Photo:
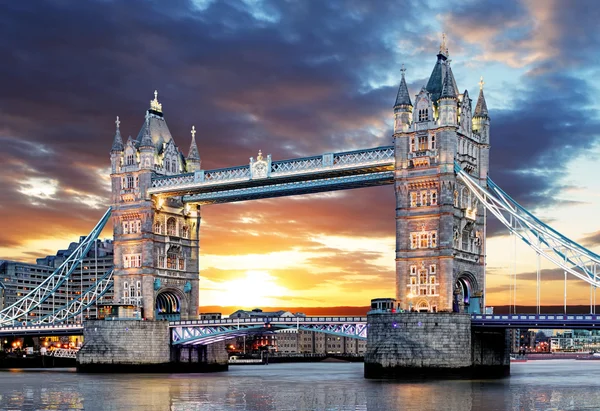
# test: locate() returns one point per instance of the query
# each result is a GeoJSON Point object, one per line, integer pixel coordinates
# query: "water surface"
{"type": "Point", "coordinates": [535, 385]}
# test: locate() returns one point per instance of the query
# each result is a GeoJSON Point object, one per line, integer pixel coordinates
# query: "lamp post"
{"type": "Point", "coordinates": [410, 296]}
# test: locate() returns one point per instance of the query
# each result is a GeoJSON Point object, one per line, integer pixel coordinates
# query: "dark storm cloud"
{"type": "Point", "coordinates": [286, 77]}
{"type": "Point", "coordinates": [550, 118]}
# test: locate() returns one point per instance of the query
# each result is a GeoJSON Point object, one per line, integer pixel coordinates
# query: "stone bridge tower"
{"type": "Point", "coordinates": [156, 239]}
{"type": "Point", "coordinates": [440, 226]}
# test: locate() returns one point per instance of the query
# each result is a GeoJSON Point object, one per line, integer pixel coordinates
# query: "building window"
{"type": "Point", "coordinates": [158, 228]}
{"type": "Point", "coordinates": [422, 277]}
{"type": "Point", "coordinates": [172, 261]}
{"type": "Point", "coordinates": [130, 160]}
{"type": "Point", "coordinates": [423, 143]}
{"type": "Point", "coordinates": [432, 269]}
{"type": "Point", "coordinates": [413, 270]}
{"type": "Point", "coordinates": [424, 240]}
{"type": "Point", "coordinates": [413, 241]}
{"type": "Point", "coordinates": [130, 182]}
{"type": "Point", "coordinates": [413, 199]}
{"type": "Point", "coordinates": [161, 261]}
{"type": "Point", "coordinates": [167, 165]}
{"type": "Point", "coordinates": [172, 226]}
{"type": "Point", "coordinates": [423, 198]}
{"type": "Point", "coordinates": [412, 144]}
{"type": "Point", "coordinates": [413, 280]}
{"type": "Point", "coordinates": [433, 142]}
{"type": "Point", "coordinates": [181, 264]}
{"type": "Point", "coordinates": [126, 289]}
{"type": "Point", "coordinates": [433, 195]}
{"type": "Point", "coordinates": [185, 230]}
{"type": "Point", "coordinates": [432, 279]}
{"type": "Point", "coordinates": [132, 260]}
{"type": "Point", "coordinates": [424, 114]}
{"type": "Point", "coordinates": [125, 227]}
{"type": "Point", "coordinates": [174, 166]}
{"type": "Point", "coordinates": [137, 181]}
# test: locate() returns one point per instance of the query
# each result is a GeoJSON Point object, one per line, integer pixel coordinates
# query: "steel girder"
{"type": "Point", "coordinates": [198, 333]}
{"type": "Point", "coordinates": [20, 309]}
{"type": "Point", "coordinates": [544, 240]}
{"type": "Point", "coordinates": [543, 321]}
{"type": "Point", "coordinates": [76, 306]}
{"type": "Point", "coordinates": [293, 188]}
{"type": "Point", "coordinates": [297, 169]}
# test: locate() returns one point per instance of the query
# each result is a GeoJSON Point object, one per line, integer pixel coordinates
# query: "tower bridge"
{"type": "Point", "coordinates": [439, 167]}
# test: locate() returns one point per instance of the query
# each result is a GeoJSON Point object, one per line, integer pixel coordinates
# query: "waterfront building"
{"type": "Point", "coordinates": [19, 278]}
{"type": "Point", "coordinates": [258, 313]}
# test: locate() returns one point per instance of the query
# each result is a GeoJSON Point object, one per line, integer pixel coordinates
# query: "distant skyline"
{"type": "Point", "coordinates": [292, 79]}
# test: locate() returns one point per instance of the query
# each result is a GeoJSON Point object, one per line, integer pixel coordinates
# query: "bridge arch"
{"type": "Point", "coordinates": [465, 287]}
{"type": "Point", "coordinates": [169, 304]}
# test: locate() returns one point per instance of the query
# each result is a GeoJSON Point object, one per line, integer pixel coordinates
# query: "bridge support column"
{"type": "Point", "coordinates": [143, 346]}
{"type": "Point", "coordinates": [433, 345]}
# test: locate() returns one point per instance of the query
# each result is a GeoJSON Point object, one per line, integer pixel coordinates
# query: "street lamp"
{"type": "Point", "coordinates": [410, 296]}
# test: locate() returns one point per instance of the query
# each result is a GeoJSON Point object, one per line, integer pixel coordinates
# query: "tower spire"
{"type": "Point", "coordinates": [193, 153]}
{"type": "Point", "coordinates": [403, 97]}
{"type": "Point", "coordinates": [448, 90]}
{"type": "Point", "coordinates": [154, 104]}
{"type": "Point", "coordinates": [193, 157]}
{"type": "Point", "coordinates": [147, 139]}
{"type": "Point", "coordinates": [443, 48]}
{"type": "Point", "coordinates": [118, 141]}
{"type": "Point", "coordinates": [481, 107]}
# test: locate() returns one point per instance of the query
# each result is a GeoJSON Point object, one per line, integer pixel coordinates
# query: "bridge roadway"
{"type": "Point", "coordinates": [208, 331]}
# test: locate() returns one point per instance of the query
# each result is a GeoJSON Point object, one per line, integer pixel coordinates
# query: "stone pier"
{"type": "Point", "coordinates": [143, 346]}
{"type": "Point", "coordinates": [433, 345]}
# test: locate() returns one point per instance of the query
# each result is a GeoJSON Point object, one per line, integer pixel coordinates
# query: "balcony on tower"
{"type": "Point", "coordinates": [422, 158]}
{"type": "Point", "coordinates": [467, 162]}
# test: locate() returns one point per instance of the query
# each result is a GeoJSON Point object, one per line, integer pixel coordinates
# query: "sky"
{"type": "Point", "coordinates": [295, 78]}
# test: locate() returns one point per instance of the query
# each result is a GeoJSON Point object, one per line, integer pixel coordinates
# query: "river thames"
{"type": "Point", "coordinates": [535, 385]}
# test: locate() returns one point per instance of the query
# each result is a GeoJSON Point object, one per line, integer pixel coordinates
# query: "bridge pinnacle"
{"type": "Point", "coordinates": [154, 104]}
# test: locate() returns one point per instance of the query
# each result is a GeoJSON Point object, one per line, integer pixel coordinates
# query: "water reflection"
{"type": "Point", "coordinates": [319, 386]}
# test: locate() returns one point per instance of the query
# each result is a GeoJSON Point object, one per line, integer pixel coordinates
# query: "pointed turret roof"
{"type": "Point", "coordinates": [156, 125]}
{"type": "Point", "coordinates": [403, 97]}
{"type": "Point", "coordinates": [193, 153]}
{"type": "Point", "coordinates": [481, 107]}
{"type": "Point", "coordinates": [438, 75]}
{"type": "Point", "coordinates": [448, 90]}
{"type": "Point", "coordinates": [146, 139]}
{"type": "Point", "coordinates": [118, 141]}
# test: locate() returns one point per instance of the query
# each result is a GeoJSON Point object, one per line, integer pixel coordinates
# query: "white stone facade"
{"type": "Point", "coordinates": [440, 226]}
{"type": "Point", "coordinates": [156, 239]}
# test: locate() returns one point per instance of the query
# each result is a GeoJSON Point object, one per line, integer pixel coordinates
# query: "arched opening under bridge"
{"type": "Point", "coordinates": [168, 306]}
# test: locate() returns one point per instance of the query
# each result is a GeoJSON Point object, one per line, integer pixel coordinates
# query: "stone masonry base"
{"type": "Point", "coordinates": [142, 346]}
{"type": "Point", "coordinates": [433, 345]}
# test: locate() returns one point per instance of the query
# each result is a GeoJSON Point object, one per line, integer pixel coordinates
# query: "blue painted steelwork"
{"type": "Point", "coordinates": [76, 306]}
{"type": "Point", "coordinates": [547, 242]}
{"type": "Point", "coordinates": [45, 329]}
{"type": "Point", "coordinates": [543, 321]}
{"type": "Point", "coordinates": [209, 331]}
{"type": "Point", "coordinates": [19, 311]}
{"type": "Point", "coordinates": [328, 165]}
{"type": "Point", "coordinates": [293, 188]}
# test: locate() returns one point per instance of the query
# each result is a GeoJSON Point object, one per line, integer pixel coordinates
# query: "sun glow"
{"type": "Point", "coordinates": [257, 289]}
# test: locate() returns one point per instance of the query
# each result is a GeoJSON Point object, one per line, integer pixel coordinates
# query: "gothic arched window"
{"type": "Point", "coordinates": [130, 160]}
{"type": "Point", "coordinates": [172, 227]}
{"type": "Point", "coordinates": [185, 231]}
{"type": "Point", "coordinates": [174, 166]}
